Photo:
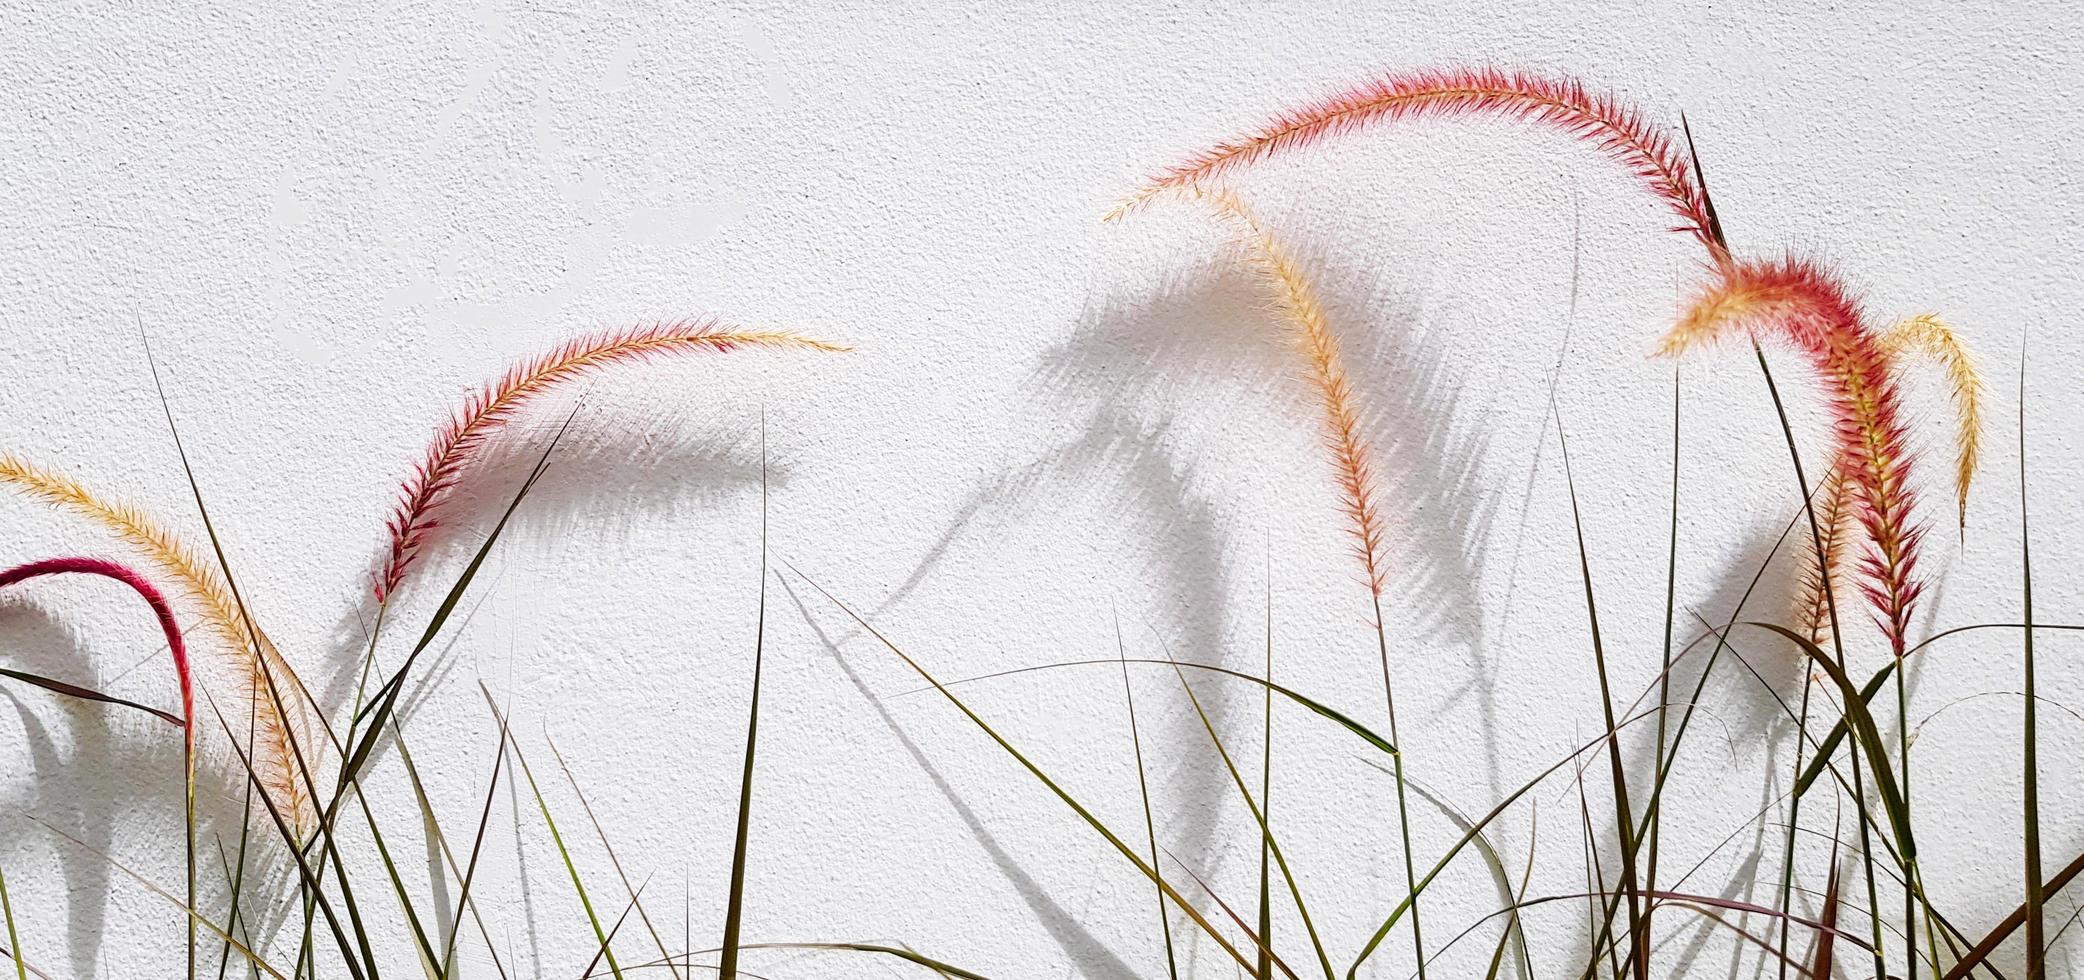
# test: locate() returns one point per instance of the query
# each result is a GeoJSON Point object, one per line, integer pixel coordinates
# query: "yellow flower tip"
{"type": "Point", "coordinates": [251, 651]}
{"type": "Point", "coordinates": [1144, 196]}
{"type": "Point", "coordinates": [1930, 337]}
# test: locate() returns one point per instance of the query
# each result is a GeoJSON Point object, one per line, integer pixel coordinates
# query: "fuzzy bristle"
{"type": "Point", "coordinates": [457, 442]}
{"type": "Point", "coordinates": [1929, 336]}
{"type": "Point", "coordinates": [1806, 305]}
{"type": "Point", "coordinates": [1822, 580]}
{"type": "Point", "coordinates": [274, 731]}
{"type": "Point", "coordinates": [1304, 314]}
{"type": "Point", "coordinates": [1600, 120]}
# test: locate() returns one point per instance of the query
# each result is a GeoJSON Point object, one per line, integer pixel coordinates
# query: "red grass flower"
{"type": "Point", "coordinates": [1805, 304]}
{"type": "Point", "coordinates": [493, 405]}
{"type": "Point", "coordinates": [1599, 119]}
{"type": "Point", "coordinates": [160, 609]}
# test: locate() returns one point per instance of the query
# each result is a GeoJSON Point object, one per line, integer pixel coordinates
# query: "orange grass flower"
{"type": "Point", "coordinates": [1299, 306]}
{"type": "Point", "coordinates": [277, 734]}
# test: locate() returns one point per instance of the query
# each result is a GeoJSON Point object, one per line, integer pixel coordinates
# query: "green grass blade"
{"type": "Point", "coordinates": [900, 952]}
{"type": "Point", "coordinates": [385, 702]}
{"type": "Point", "coordinates": [1498, 810]}
{"type": "Point", "coordinates": [1061, 794]}
{"type": "Point", "coordinates": [302, 768]}
{"type": "Point", "coordinates": [636, 902]}
{"type": "Point", "coordinates": [1829, 743]}
{"type": "Point", "coordinates": [613, 861]}
{"type": "Point", "coordinates": [1237, 920]}
{"type": "Point", "coordinates": [734, 911]}
{"type": "Point", "coordinates": [1868, 734]}
{"type": "Point", "coordinates": [1266, 787]}
{"type": "Point", "coordinates": [87, 694]}
{"type": "Point", "coordinates": [14, 938]}
{"type": "Point", "coordinates": [314, 890]}
{"type": "Point", "coordinates": [1150, 826]}
{"type": "Point", "coordinates": [1317, 707]}
{"type": "Point", "coordinates": [1787, 433]}
{"type": "Point", "coordinates": [1979, 955]}
{"type": "Point", "coordinates": [1514, 927]}
{"type": "Point", "coordinates": [470, 868]}
{"type": "Point", "coordinates": [1654, 818]}
{"type": "Point", "coordinates": [1624, 815]}
{"type": "Point", "coordinates": [2036, 920]}
{"type": "Point", "coordinates": [563, 853]}
{"type": "Point", "coordinates": [1389, 701]}
{"type": "Point", "coordinates": [1266, 834]}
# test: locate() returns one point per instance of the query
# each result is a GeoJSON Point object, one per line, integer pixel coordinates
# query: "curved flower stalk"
{"type": "Point", "coordinates": [177, 649]}
{"type": "Point", "coordinates": [1807, 306]}
{"type": "Point", "coordinates": [457, 443]}
{"type": "Point", "coordinates": [276, 733]}
{"type": "Point", "coordinates": [176, 646]}
{"type": "Point", "coordinates": [1299, 306]}
{"type": "Point", "coordinates": [1601, 120]}
{"type": "Point", "coordinates": [1311, 331]}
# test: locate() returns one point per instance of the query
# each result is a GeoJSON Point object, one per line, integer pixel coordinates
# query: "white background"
{"type": "Point", "coordinates": [332, 222]}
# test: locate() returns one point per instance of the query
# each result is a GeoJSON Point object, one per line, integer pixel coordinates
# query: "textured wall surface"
{"type": "Point", "coordinates": [331, 223]}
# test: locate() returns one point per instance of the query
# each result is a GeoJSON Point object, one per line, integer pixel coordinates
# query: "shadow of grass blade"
{"type": "Point", "coordinates": [563, 853]}
{"type": "Point", "coordinates": [1150, 826]}
{"type": "Point", "coordinates": [470, 868]}
{"type": "Point", "coordinates": [168, 896]}
{"type": "Point", "coordinates": [1266, 834]}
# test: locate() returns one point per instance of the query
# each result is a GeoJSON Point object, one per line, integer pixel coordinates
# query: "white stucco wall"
{"type": "Point", "coordinates": [332, 223]}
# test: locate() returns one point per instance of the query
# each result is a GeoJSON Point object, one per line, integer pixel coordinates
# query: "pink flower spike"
{"type": "Point", "coordinates": [160, 609]}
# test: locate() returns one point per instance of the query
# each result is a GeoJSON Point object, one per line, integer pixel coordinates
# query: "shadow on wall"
{"type": "Point", "coordinates": [604, 479]}
{"type": "Point", "coordinates": [1115, 371]}
{"type": "Point", "coordinates": [102, 769]}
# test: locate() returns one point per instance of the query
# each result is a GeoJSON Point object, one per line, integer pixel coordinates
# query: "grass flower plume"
{"type": "Point", "coordinates": [1821, 571]}
{"type": "Point", "coordinates": [251, 652]}
{"type": "Point", "coordinates": [1299, 307]}
{"type": "Point", "coordinates": [1929, 336]}
{"type": "Point", "coordinates": [1804, 304]}
{"type": "Point", "coordinates": [459, 439]}
{"type": "Point", "coordinates": [1598, 119]}
{"type": "Point", "coordinates": [1798, 299]}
